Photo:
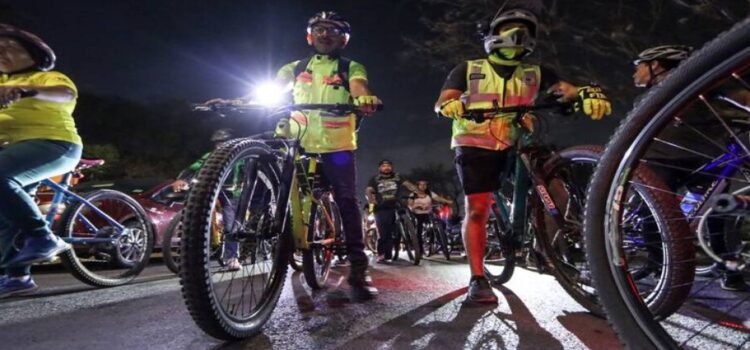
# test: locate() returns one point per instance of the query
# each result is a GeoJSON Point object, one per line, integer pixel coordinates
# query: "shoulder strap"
{"type": "Point", "coordinates": [301, 66]}
{"type": "Point", "coordinates": [343, 68]}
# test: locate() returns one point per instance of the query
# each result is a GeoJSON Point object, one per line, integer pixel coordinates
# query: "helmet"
{"type": "Point", "coordinates": [674, 53]}
{"type": "Point", "coordinates": [221, 135]}
{"type": "Point", "coordinates": [526, 40]}
{"type": "Point", "coordinates": [332, 18]}
{"type": "Point", "coordinates": [42, 54]}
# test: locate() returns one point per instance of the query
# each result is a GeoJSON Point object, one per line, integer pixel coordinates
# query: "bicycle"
{"type": "Point", "coordinates": [700, 99]}
{"type": "Point", "coordinates": [110, 232]}
{"type": "Point", "coordinates": [537, 213]}
{"type": "Point", "coordinates": [408, 240]}
{"type": "Point", "coordinates": [281, 204]}
{"type": "Point", "coordinates": [434, 238]}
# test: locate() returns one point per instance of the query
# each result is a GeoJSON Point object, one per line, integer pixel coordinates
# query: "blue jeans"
{"type": "Point", "coordinates": [22, 166]}
{"type": "Point", "coordinates": [340, 171]}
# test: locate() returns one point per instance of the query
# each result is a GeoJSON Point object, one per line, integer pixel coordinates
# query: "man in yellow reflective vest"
{"type": "Point", "coordinates": [502, 79]}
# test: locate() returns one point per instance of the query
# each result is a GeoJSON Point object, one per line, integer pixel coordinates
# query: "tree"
{"type": "Point", "coordinates": [581, 40]}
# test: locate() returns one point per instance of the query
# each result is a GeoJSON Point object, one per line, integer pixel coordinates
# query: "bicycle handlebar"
{"type": "Point", "coordinates": [337, 108]}
{"type": "Point", "coordinates": [480, 114]}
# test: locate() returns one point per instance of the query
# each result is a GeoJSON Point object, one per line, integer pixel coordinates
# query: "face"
{"type": "Point", "coordinates": [385, 168]}
{"type": "Point", "coordinates": [641, 76]}
{"type": "Point", "coordinates": [327, 38]}
{"type": "Point", "coordinates": [422, 185]}
{"type": "Point", "coordinates": [13, 57]}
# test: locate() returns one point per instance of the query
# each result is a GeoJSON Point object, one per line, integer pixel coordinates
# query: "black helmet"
{"type": "Point", "coordinates": [673, 53]}
{"type": "Point", "coordinates": [332, 18]}
{"type": "Point", "coordinates": [42, 54]}
{"type": "Point", "coordinates": [221, 135]}
{"type": "Point", "coordinates": [526, 40]}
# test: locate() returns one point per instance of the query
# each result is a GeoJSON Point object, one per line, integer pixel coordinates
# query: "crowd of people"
{"type": "Point", "coordinates": [37, 126]}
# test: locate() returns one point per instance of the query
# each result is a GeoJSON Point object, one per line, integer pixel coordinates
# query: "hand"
{"type": "Point", "coordinates": [9, 95]}
{"type": "Point", "coordinates": [452, 108]}
{"type": "Point", "coordinates": [595, 104]}
{"type": "Point", "coordinates": [367, 103]}
{"type": "Point", "coordinates": [180, 185]}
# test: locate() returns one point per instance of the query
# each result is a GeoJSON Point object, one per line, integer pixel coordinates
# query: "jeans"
{"type": "Point", "coordinates": [340, 171]}
{"type": "Point", "coordinates": [385, 219]}
{"type": "Point", "coordinates": [22, 166]}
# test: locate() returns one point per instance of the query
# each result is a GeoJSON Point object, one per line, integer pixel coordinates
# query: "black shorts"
{"type": "Point", "coordinates": [480, 169]}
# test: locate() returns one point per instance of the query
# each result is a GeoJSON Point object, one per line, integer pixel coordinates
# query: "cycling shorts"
{"type": "Point", "coordinates": [480, 170]}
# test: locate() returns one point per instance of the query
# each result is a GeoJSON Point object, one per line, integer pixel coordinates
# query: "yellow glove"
{"type": "Point", "coordinates": [595, 104]}
{"type": "Point", "coordinates": [367, 100]}
{"type": "Point", "coordinates": [452, 108]}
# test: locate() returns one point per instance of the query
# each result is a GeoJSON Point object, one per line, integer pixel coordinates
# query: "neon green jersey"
{"type": "Point", "coordinates": [322, 132]}
{"type": "Point", "coordinates": [31, 118]}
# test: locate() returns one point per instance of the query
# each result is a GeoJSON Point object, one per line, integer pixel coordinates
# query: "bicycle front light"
{"type": "Point", "coordinates": [269, 93]}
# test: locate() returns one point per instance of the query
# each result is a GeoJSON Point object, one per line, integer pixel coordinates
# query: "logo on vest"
{"type": "Point", "coordinates": [476, 76]}
{"type": "Point", "coordinates": [529, 78]}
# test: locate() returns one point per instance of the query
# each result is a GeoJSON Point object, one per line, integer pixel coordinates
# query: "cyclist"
{"type": "Point", "coordinates": [652, 66]}
{"type": "Point", "coordinates": [42, 141]}
{"type": "Point", "coordinates": [420, 203]}
{"type": "Point", "coordinates": [227, 200]}
{"type": "Point", "coordinates": [383, 192]}
{"type": "Point", "coordinates": [327, 77]}
{"type": "Point", "coordinates": [502, 79]}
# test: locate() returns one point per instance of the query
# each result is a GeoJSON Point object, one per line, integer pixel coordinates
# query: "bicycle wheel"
{"type": "Point", "coordinates": [697, 101]}
{"type": "Point", "coordinates": [441, 238]}
{"type": "Point", "coordinates": [325, 229]}
{"type": "Point", "coordinates": [567, 175]}
{"type": "Point", "coordinates": [409, 238]}
{"type": "Point", "coordinates": [241, 178]}
{"type": "Point", "coordinates": [170, 245]}
{"type": "Point", "coordinates": [428, 240]}
{"type": "Point", "coordinates": [109, 263]}
{"type": "Point", "coordinates": [295, 261]}
{"type": "Point", "coordinates": [500, 253]}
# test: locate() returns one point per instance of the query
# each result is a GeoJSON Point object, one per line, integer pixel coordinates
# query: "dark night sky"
{"type": "Point", "coordinates": [195, 50]}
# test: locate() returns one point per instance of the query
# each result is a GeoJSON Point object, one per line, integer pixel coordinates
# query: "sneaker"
{"type": "Point", "coordinates": [734, 284]}
{"type": "Point", "coordinates": [360, 281]}
{"type": "Point", "coordinates": [381, 259]}
{"type": "Point", "coordinates": [13, 286]}
{"type": "Point", "coordinates": [233, 264]}
{"type": "Point", "coordinates": [480, 292]}
{"type": "Point", "coordinates": [38, 249]}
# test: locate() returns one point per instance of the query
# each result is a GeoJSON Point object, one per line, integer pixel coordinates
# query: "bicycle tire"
{"type": "Point", "coordinates": [409, 238]}
{"type": "Point", "coordinates": [317, 261]}
{"type": "Point", "coordinates": [92, 272]}
{"type": "Point", "coordinates": [172, 258]}
{"type": "Point", "coordinates": [442, 237]}
{"type": "Point", "coordinates": [631, 320]}
{"type": "Point", "coordinates": [500, 240]}
{"type": "Point", "coordinates": [195, 272]}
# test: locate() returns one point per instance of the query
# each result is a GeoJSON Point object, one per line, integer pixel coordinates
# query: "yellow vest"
{"type": "Point", "coordinates": [486, 89]}
{"type": "Point", "coordinates": [320, 131]}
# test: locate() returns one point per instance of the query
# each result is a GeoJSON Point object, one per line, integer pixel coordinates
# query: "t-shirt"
{"type": "Point", "coordinates": [422, 204]}
{"type": "Point", "coordinates": [31, 118]}
{"type": "Point", "coordinates": [386, 190]}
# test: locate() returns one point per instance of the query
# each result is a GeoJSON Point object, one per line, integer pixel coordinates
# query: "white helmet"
{"type": "Point", "coordinates": [523, 38]}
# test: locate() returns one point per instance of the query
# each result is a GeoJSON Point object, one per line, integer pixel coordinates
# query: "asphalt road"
{"type": "Point", "coordinates": [419, 307]}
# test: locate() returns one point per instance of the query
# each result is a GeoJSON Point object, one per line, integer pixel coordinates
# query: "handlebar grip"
{"type": "Point", "coordinates": [29, 93]}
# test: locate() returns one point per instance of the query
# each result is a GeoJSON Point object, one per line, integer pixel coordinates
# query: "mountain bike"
{"type": "Point", "coordinates": [408, 240]}
{"type": "Point", "coordinates": [280, 203]}
{"type": "Point", "coordinates": [110, 232]}
{"type": "Point", "coordinates": [434, 237]}
{"type": "Point", "coordinates": [537, 213]}
{"type": "Point", "coordinates": [692, 126]}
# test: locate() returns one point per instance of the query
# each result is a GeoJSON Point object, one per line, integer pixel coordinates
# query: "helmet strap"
{"type": "Point", "coordinates": [498, 58]}
{"type": "Point", "coordinates": [653, 77]}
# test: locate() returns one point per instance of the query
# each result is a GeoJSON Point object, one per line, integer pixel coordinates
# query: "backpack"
{"type": "Point", "coordinates": [343, 69]}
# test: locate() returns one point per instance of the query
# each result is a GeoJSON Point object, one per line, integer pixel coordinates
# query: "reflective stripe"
{"type": "Point", "coordinates": [300, 118]}
{"type": "Point", "coordinates": [331, 124]}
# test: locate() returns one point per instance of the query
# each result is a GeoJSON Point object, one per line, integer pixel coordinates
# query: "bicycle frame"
{"type": "Point", "coordinates": [61, 194]}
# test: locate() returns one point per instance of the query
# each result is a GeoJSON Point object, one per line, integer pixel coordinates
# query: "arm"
{"type": "Point", "coordinates": [438, 198]}
{"type": "Point", "coordinates": [59, 94]}
{"type": "Point", "coordinates": [410, 186]}
{"type": "Point", "coordinates": [591, 99]}
{"type": "Point", "coordinates": [370, 194]}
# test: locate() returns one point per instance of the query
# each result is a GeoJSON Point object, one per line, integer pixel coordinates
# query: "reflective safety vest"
{"type": "Point", "coordinates": [487, 89]}
{"type": "Point", "coordinates": [320, 81]}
